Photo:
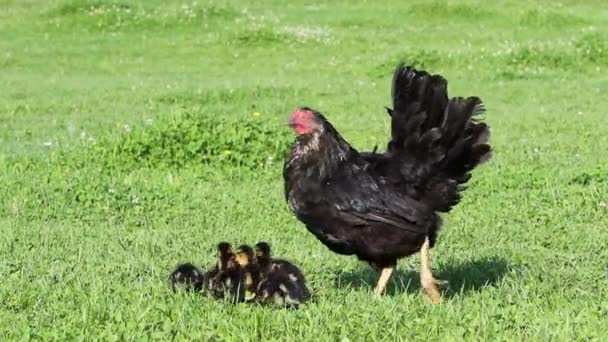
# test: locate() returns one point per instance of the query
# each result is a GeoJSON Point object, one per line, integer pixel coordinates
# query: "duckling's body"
{"type": "Point", "coordinates": [245, 259]}
{"type": "Point", "coordinates": [278, 288]}
{"type": "Point", "coordinates": [281, 282]}
{"type": "Point", "coordinates": [186, 276]}
{"type": "Point", "coordinates": [227, 278]}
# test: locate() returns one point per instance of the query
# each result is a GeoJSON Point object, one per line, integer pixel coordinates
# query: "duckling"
{"type": "Point", "coordinates": [266, 262]}
{"type": "Point", "coordinates": [186, 276]}
{"type": "Point", "coordinates": [227, 278]}
{"type": "Point", "coordinates": [245, 258]}
{"type": "Point", "coordinates": [281, 282]}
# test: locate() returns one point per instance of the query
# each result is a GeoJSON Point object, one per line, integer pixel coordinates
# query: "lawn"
{"type": "Point", "coordinates": [135, 135]}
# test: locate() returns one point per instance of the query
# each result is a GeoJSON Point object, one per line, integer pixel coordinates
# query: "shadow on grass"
{"type": "Point", "coordinates": [463, 278]}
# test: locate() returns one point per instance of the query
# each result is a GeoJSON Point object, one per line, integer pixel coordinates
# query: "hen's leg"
{"type": "Point", "coordinates": [430, 285]}
{"type": "Point", "coordinates": [385, 275]}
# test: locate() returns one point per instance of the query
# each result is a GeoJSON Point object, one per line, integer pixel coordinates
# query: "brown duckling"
{"type": "Point", "coordinates": [227, 278]}
{"type": "Point", "coordinates": [281, 282]}
{"type": "Point", "coordinates": [245, 258]}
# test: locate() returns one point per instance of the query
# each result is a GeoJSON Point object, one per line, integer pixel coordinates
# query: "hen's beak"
{"type": "Point", "coordinates": [291, 123]}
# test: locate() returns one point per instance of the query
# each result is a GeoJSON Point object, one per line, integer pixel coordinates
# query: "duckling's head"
{"type": "Point", "coordinates": [262, 250]}
{"type": "Point", "coordinates": [224, 248]}
{"type": "Point", "coordinates": [224, 255]}
{"type": "Point", "coordinates": [186, 276]}
{"type": "Point", "coordinates": [244, 255]}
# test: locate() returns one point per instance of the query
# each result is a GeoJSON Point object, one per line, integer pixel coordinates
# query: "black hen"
{"type": "Point", "coordinates": [383, 207]}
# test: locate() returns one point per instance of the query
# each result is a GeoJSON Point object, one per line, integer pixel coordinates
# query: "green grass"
{"type": "Point", "coordinates": [118, 160]}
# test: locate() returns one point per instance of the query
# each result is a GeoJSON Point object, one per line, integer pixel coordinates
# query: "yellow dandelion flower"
{"type": "Point", "coordinates": [227, 152]}
{"type": "Point", "coordinates": [256, 114]}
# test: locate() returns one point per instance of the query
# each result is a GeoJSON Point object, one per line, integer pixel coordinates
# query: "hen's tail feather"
{"type": "Point", "coordinates": [436, 141]}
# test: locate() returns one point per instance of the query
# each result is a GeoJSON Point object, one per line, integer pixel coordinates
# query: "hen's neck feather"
{"type": "Point", "coordinates": [321, 154]}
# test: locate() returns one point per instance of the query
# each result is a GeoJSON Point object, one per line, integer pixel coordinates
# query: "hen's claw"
{"type": "Point", "coordinates": [430, 290]}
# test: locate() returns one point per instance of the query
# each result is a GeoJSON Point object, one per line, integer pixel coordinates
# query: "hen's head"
{"type": "Point", "coordinates": [306, 121]}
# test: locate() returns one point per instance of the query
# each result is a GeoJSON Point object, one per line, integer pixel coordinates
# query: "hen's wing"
{"type": "Point", "coordinates": [361, 200]}
{"type": "Point", "coordinates": [356, 213]}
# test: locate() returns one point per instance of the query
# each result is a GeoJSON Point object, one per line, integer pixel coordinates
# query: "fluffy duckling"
{"type": "Point", "coordinates": [227, 278]}
{"type": "Point", "coordinates": [186, 276]}
{"type": "Point", "coordinates": [281, 282]}
{"type": "Point", "coordinates": [266, 262]}
{"type": "Point", "coordinates": [245, 258]}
